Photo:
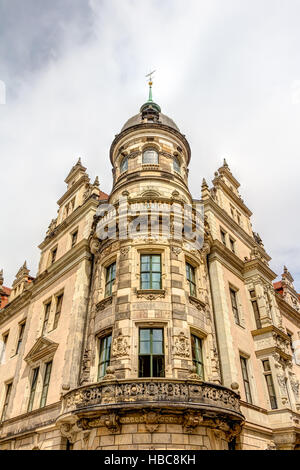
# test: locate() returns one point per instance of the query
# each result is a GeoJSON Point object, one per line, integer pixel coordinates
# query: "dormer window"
{"type": "Point", "coordinates": [150, 157]}
{"type": "Point", "coordinates": [124, 165]}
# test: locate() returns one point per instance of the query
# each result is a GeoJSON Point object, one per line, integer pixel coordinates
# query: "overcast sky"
{"type": "Point", "coordinates": [228, 73]}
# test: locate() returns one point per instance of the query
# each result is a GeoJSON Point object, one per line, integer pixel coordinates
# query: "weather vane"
{"type": "Point", "coordinates": [149, 75]}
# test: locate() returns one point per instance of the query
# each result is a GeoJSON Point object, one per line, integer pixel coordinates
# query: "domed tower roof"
{"type": "Point", "coordinates": [150, 112]}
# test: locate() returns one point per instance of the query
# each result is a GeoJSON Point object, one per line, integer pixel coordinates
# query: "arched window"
{"type": "Point", "coordinates": [176, 164]}
{"type": "Point", "coordinates": [124, 165]}
{"type": "Point", "coordinates": [150, 157]}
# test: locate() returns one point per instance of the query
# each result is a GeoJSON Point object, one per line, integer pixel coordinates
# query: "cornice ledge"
{"type": "Point", "coordinates": [68, 261]}
{"type": "Point", "coordinates": [155, 126]}
{"type": "Point", "coordinates": [287, 309]}
{"type": "Point", "coordinates": [258, 265]}
{"type": "Point", "coordinates": [249, 241]}
{"type": "Point", "coordinates": [225, 256]}
{"type": "Point", "coordinates": [236, 199]}
{"type": "Point", "coordinates": [16, 304]}
{"type": "Point", "coordinates": [69, 220]}
{"type": "Point", "coordinates": [268, 329]}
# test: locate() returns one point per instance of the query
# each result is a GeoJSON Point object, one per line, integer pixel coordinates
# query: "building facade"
{"type": "Point", "coordinates": [132, 336]}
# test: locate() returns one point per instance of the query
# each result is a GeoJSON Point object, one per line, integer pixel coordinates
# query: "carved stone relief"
{"type": "Point", "coordinates": [120, 346]}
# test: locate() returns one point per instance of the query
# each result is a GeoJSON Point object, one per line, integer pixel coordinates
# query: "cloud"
{"type": "Point", "coordinates": [227, 73]}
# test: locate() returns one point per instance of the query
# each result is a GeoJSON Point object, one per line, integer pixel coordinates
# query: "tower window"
{"type": "Point", "coordinates": [110, 279]}
{"type": "Point", "coordinates": [6, 402]}
{"type": "Point", "coordinates": [197, 355]}
{"type": "Point", "coordinates": [150, 157]}
{"type": "Point", "coordinates": [46, 382]}
{"type": "Point", "coordinates": [124, 165]}
{"type": "Point", "coordinates": [234, 306]}
{"type": "Point", "coordinates": [176, 165]}
{"type": "Point", "coordinates": [33, 388]}
{"type": "Point", "coordinates": [190, 275]}
{"type": "Point", "coordinates": [104, 355]}
{"type": "Point", "coordinates": [151, 353]}
{"type": "Point", "coordinates": [150, 272]}
{"type": "Point", "coordinates": [246, 381]}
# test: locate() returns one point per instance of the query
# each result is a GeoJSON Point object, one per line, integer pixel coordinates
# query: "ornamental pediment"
{"type": "Point", "coordinates": [43, 347]}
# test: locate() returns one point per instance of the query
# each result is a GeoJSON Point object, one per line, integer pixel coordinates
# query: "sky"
{"type": "Point", "coordinates": [73, 71]}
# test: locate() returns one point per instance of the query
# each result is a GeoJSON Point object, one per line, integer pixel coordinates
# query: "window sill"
{"type": "Point", "coordinates": [196, 302]}
{"type": "Point", "coordinates": [104, 303]}
{"type": "Point", "coordinates": [151, 294]}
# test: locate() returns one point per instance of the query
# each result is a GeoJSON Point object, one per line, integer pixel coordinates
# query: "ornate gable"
{"type": "Point", "coordinates": [42, 348]}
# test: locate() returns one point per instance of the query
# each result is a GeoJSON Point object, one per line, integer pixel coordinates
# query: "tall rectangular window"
{"type": "Point", "coordinates": [6, 402]}
{"type": "Point", "coordinates": [59, 301]}
{"type": "Point", "coordinates": [150, 272]}
{"type": "Point", "coordinates": [246, 381]}
{"type": "Point", "coordinates": [74, 238]}
{"type": "Point", "coordinates": [232, 245]}
{"type": "Point", "coordinates": [46, 318]}
{"type": "Point", "coordinates": [255, 309]}
{"type": "Point", "coordinates": [33, 388]}
{"type": "Point", "coordinates": [46, 382]}
{"type": "Point", "coordinates": [223, 237]}
{"type": "Point", "coordinates": [197, 355]}
{"type": "Point", "coordinates": [53, 255]}
{"type": "Point", "coordinates": [290, 335]}
{"type": "Point", "coordinates": [151, 353]}
{"type": "Point", "coordinates": [234, 306]}
{"type": "Point", "coordinates": [110, 279]}
{"type": "Point", "coordinates": [104, 355]}
{"type": "Point", "coordinates": [21, 334]}
{"type": "Point", "coordinates": [190, 275]}
{"type": "Point", "coordinates": [270, 384]}
{"type": "Point", "coordinates": [4, 344]}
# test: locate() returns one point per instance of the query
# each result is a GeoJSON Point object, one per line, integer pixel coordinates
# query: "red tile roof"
{"type": "Point", "coordinates": [4, 294]}
{"type": "Point", "coordinates": [103, 196]}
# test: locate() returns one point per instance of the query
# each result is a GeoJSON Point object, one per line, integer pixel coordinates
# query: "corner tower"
{"type": "Point", "coordinates": [150, 375]}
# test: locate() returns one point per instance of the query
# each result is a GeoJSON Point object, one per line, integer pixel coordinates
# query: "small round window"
{"type": "Point", "coordinates": [150, 157]}
{"type": "Point", "coordinates": [176, 164]}
{"type": "Point", "coordinates": [124, 165]}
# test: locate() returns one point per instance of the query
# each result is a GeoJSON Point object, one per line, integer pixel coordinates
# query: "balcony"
{"type": "Point", "coordinates": [272, 340]}
{"type": "Point", "coordinates": [112, 403]}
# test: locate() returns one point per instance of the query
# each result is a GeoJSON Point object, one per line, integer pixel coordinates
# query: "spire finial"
{"type": "Point", "coordinates": [96, 182]}
{"type": "Point", "coordinates": [150, 99]}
